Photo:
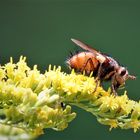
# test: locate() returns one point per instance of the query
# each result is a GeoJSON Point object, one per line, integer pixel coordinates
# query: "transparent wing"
{"type": "Point", "coordinates": [99, 56]}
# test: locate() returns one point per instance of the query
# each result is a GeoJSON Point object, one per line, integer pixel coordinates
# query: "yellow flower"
{"type": "Point", "coordinates": [113, 123]}
{"type": "Point", "coordinates": [32, 101]}
{"type": "Point", "coordinates": [135, 124]}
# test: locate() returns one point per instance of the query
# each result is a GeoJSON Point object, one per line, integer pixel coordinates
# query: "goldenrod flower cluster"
{"type": "Point", "coordinates": [28, 104]}
{"type": "Point", "coordinates": [31, 101]}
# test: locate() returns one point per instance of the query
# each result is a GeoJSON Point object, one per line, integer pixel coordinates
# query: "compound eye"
{"type": "Point", "coordinates": [123, 72]}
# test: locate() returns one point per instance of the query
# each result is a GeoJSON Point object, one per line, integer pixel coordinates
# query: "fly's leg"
{"type": "Point", "coordinates": [99, 72]}
{"type": "Point", "coordinates": [88, 61]}
{"type": "Point", "coordinates": [97, 83]}
{"type": "Point", "coordinates": [113, 87]}
{"type": "Point", "coordinates": [109, 75]}
{"type": "Point", "coordinates": [97, 80]}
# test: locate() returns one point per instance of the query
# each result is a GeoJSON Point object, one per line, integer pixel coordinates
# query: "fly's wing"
{"type": "Point", "coordinates": [101, 58]}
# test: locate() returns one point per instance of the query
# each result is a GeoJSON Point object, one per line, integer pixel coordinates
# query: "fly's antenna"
{"type": "Point", "coordinates": [131, 77]}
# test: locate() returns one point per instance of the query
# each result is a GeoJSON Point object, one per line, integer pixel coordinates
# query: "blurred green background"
{"type": "Point", "coordinates": [41, 30]}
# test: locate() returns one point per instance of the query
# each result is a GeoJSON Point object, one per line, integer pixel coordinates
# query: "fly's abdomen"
{"type": "Point", "coordinates": [83, 61]}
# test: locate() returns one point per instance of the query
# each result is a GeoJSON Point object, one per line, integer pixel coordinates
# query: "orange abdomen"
{"type": "Point", "coordinates": [84, 61]}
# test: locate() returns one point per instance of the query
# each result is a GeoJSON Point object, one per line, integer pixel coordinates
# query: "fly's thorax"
{"type": "Point", "coordinates": [108, 68]}
{"type": "Point", "coordinates": [113, 62]}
